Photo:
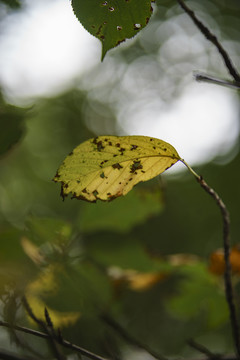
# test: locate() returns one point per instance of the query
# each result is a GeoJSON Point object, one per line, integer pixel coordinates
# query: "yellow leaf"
{"type": "Point", "coordinates": [134, 280]}
{"type": "Point", "coordinates": [59, 318]}
{"type": "Point", "coordinates": [145, 281]}
{"type": "Point", "coordinates": [109, 166]}
{"type": "Point", "coordinates": [45, 285]}
{"type": "Point", "coordinates": [32, 251]}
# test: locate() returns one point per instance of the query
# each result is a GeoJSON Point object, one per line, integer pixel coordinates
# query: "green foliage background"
{"type": "Point", "coordinates": [83, 245]}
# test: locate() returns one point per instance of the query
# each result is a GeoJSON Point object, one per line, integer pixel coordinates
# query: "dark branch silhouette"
{"type": "Point", "coordinates": [227, 273]}
{"type": "Point", "coordinates": [203, 350]}
{"type": "Point", "coordinates": [129, 338]}
{"type": "Point", "coordinates": [213, 39]}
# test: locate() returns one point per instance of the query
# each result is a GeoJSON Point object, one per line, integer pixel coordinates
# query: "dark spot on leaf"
{"type": "Point", "coordinates": [95, 140]}
{"type": "Point", "coordinates": [95, 193]}
{"type": "Point", "coordinates": [114, 155]}
{"type": "Point", "coordinates": [99, 30]}
{"type": "Point", "coordinates": [102, 175]}
{"type": "Point", "coordinates": [57, 176]}
{"type": "Point", "coordinates": [134, 147]}
{"type": "Point", "coordinates": [143, 171]}
{"type": "Point", "coordinates": [164, 149]}
{"type": "Point", "coordinates": [99, 145]}
{"type": "Point", "coordinates": [102, 37]}
{"type": "Point", "coordinates": [81, 197]}
{"type": "Point", "coordinates": [147, 20]}
{"type": "Point", "coordinates": [154, 147]}
{"type": "Point", "coordinates": [117, 166]}
{"type": "Point", "coordinates": [117, 145]}
{"type": "Point", "coordinates": [119, 28]}
{"type": "Point", "coordinates": [136, 165]}
{"type": "Point", "coordinates": [110, 143]}
{"type": "Point", "coordinates": [121, 151]}
{"type": "Point", "coordinates": [62, 192]}
{"type": "Point", "coordinates": [93, 26]}
{"type": "Point", "coordinates": [84, 191]}
{"type": "Point", "coordinates": [151, 139]}
{"type": "Point", "coordinates": [119, 42]}
{"type": "Point", "coordinates": [130, 179]}
{"type": "Point", "coordinates": [78, 181]}
{"type": "Point", "coordinates": [120, 183]}
{"type": "Point", "coordinates": [103, 162]}
{"type": "Point", "coordinates": [70, 154]}
{"type": "Point", "coordinates": [109, 194]}
{"type": "Point", "coordinates": [112, 197]}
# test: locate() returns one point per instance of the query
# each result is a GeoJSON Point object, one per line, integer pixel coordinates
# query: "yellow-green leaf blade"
{"type": "Point", "coordinates": [109, 166]}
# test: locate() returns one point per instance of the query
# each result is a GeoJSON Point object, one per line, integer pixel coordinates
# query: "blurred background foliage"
{"type": "Point", "coordinates": [142, 260]}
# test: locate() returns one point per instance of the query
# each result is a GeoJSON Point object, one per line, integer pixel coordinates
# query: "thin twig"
{"type": "Point", "coordinates": [129, 338]}
{"type": "Point", "coordinates": [47, 327]}
{"type": "Point", "coordinates": [227, 273]}
{"type": "Point", "coordinates": [213, 80]}
{"type": "Point", "coordinates": [61, 341]}
{"type": "Point", "coordinates": [213, 39]}
{"type": "Point", "coordinates": [202, 349]}
{"type": "Point", "coordinates": [226, 246]}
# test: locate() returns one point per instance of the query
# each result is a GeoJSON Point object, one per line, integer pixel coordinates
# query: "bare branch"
{"type": "Point", "coordinates": [227, 273]}
{"type": "Point", "coordinates": [213, 39]}
{"type": "Point", "coordinates": [129, 338]}
{"type": "Point", "coordinates": [202, 349]}
{"type": "Point", "coordinates": [47, 327]}
{"type": "Point", "coordinates": [60, 340]}
{"type": "Point", "coordinates": [213, 80]}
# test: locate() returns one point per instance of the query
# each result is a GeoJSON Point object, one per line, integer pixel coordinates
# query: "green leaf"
{"type": "Point", "coordinates": [109, 166]}
{"type": "Point", "coordinates": [124, 214]}
{"type": "Point", "coordinates": [12, 125]}
{"type": "Point", "coordinates": [111, 21]}
{"type": "Point", "coordinates": [14, 4]}
{"type": "Point", "coordinates": [199, 293]}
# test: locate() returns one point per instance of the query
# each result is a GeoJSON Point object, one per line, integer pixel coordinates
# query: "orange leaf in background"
{"type": "Point", "coordinates": [145, 281]}
{"type": "Point", "coordinates": [134, 280]}
{"type": "Point", "coordinates": [217, 262]}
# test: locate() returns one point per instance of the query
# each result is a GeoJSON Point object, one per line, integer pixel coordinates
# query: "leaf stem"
{"type": "Point", "coordinates": [226, 245]}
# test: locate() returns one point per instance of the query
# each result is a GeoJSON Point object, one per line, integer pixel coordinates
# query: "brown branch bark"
{"type": "Point", "coordinates": [227, 273]}
{"type": "Point", "coordinates": [213, 39]}
{"type": "Point", "coordinates": [59, 339]}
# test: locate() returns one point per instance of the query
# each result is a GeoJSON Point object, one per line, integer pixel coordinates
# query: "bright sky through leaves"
{"type": "Point", "coordinates": [33, 42]}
